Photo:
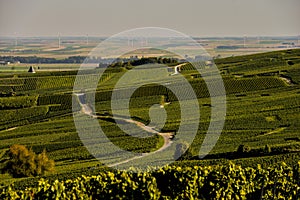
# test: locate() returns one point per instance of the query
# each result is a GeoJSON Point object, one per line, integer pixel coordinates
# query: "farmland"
{"type": "Point", "coordinates": [263, 112]}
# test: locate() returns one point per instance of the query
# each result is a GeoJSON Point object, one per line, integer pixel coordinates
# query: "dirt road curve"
{"type": "Point", "coordinates": [166, 136]}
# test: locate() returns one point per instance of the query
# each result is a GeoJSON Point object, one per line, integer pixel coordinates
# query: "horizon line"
{"type": "Point", "coordinates": [95, 36]}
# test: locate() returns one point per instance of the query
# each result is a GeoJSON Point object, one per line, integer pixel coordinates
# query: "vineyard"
{"type": "Point", "coordinates": [263, 112]}
{"type": "Point", "coordinates": [211, 182]}
{"type": "Point", "coordinates": [18, 102]}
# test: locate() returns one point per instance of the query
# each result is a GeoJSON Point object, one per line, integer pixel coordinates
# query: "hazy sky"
{"type": "Point", "coordinates": [106, 17]}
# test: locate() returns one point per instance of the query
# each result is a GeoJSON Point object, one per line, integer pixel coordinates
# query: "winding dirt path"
{"type": "Point", "coordinates": [166, 136]}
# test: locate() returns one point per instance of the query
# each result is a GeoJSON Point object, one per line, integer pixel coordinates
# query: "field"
{"type": "Point", "coordinates": [75, 46]}
{"type": "Point", "coordinates": [263, 112]}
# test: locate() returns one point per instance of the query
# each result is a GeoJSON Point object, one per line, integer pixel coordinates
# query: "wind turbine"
{"type": "Point", "coordinates": [16, 39]}
{"type": "Point", "coordinates": [59, 40]}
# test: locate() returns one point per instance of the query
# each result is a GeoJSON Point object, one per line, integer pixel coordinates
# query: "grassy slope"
{"type": "Point", "coordinates": [262, 110]}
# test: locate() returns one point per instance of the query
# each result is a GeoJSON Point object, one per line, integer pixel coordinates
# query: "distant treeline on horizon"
{"type": "Point", "coordinates": [42, 60]}
{"type": "Point", "coordinates": [133, 60]}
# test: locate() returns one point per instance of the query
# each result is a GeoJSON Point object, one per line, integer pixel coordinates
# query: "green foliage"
{"type": "Point", "coordinates": [64, 100]}
{"type": "Point", "coordinates": [23, 162]}
{"type": "Point", "coordinates": [228, 181]}
{"type": "Point", "coordinates": [13, 117]}
{"type": "Point", "coordinates": [35, 59]}
{"type": "Point", "coordinates": [128, 143]}
{"type": "Point", "coordinates": [252, 84]}
{"type": "Point", "coordinates": [294, 75]}
{"type": "Point", "coordinates": [267, 149]}
{"type": "Point", "coordinates": [243, 149]}
{"type": "Point", "coordinates": [18, 102]}
{"type": "Point", "coordinates": [258, 103]}
{"type": "Point", "coordinates": [107, 185]}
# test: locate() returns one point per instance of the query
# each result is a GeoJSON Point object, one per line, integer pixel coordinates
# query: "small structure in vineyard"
{"type": "Point", "coordinates": [31, 69]}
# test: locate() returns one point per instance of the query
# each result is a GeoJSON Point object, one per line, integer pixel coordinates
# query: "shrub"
{"type": "Point", "coordinates": [267, 149]}
{"type": "Point", "coordinates": [243, 149]}
{"type": "Point", "coordinates": [23, 162]}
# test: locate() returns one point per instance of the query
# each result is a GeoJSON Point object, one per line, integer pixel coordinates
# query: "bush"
{"type": "Point", "coordinates": [23, 162]}
{"type": "Point", "coordinates": [267, 149]}
{"type": "Point", "coordinates": [243, 149]}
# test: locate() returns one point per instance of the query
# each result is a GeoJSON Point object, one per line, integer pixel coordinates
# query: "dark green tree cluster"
{"type": "Point", "coordinates": [152, 60]}
{"type": "Point", "coordinates": [35, 59]}
{"type": "Point", "coordinates": [129, 62]}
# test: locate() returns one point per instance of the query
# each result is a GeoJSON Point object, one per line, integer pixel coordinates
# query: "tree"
{"type": "Point", "coordinates": [243, 149]}
{"type": "Point", "coordinates": [267, 149]}
{"type": "Point", "coordinates": [24, 163]}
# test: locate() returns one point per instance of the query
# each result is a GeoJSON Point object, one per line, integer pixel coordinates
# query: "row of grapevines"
{"type": "Point", "coordinates": [199, 87]}
{"type": "Point", "coordinates": [63, 99]}
{"type": "Point", "coordinates": [107, 185]}
{"type": "Point", "coordinates": [294, 75]}
{"type": "Point", "coordinates": [11, 81]}
{"type": "Point", "coordinates": [6, 88]}
{"type": "Point", "coordinates": [258, 64]}
{"type": "Point", "coordinates": [29, 84]}
{"type": "Point", "coordinates": [252, 84]}
{"type": "Point", "coordinates": [19, 117]}
{"type": "Point", "coordinates": [209, 182]}
{"type": "Point", "coordinates": [55, 82]}
{"type": "Point", "coordinates": [45, 81]}
{"type": "Point", "coordinates": [13, 115]}
{"type": "Point", "coordinates": [18, 102]}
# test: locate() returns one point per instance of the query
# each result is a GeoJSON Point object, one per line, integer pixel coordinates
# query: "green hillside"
{"type": "Point", "coordinates": [263, 112]}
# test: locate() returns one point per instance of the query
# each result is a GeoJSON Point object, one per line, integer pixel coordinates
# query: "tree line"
{"type": "Point", "coordinates": [40, 60]}
{"type": "Point", "coordinates": [133, 61]}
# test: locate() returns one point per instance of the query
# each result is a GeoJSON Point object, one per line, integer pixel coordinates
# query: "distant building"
{"type": "Point", "coordinates": [31, 69]}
